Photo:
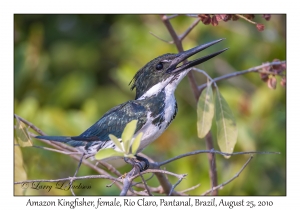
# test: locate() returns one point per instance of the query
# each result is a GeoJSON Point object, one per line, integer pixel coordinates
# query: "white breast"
{"type": "Point", "coordinates": [151, 131]}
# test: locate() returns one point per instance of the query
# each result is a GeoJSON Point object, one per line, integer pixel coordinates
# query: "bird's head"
{"type": "Point", "coordinates": [166, 70]}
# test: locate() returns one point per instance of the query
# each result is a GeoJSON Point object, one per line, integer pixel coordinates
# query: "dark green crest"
{"type": "Point", "coordinates": [152, 73]}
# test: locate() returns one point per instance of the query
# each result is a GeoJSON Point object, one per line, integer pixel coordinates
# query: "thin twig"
{"type": "Point", "coordinates": [181, 37]}
{"type": "Point", "coordinates": [235, 176]}
{"type": "Point", "coordinates": [71, 188]}
{"type": "Point", "coordinates": [212, 151]}
{"type": "Point", "coordinates": [77, 169]}
{"type": "Point", "coordinates": [169, 42]}
{"type": "Point", "coordinates": [243, 17]}
{"type": "Point", "coordinates": [97, 169]}
{"type": "Point", "coordinates": [57, 145]}
{"type": "Point", "coordinates": [159, 171]}
{"type": "Point", "coordinates": [137, 183]}
{"type": "Point", "coordinates": [146, 186]}
{"type": "Point", "coordinates": [110, 168]}
{"type": "Point", "coordinates": [30, 125]}
{"type": "Point", "coordinates": [212, 163]}
{"type": "Point", "coordinates": [54, 150]}
{"type": "Point", "coordinates": [171, 16]}
{"type": "Point", "coordinates": [79, 164]}
{"type": "Point", "coordinates": [165, 183]}
{"type": "Point", "coordinates": [175, 185]}
{"type": "Point", "coordinates": [143, 193]}
{"type": "Point", "coordinates": [189, 189]}
{"type": "Point", "coordinates": [172, 33]}
{"type": "Point", "coordinates": [192, 15]}
{"type": "Point", "coordinates": [237, 73]}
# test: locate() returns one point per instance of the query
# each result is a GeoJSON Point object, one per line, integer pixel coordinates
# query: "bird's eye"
{"type": "Point", "coordinates": [159, 66]}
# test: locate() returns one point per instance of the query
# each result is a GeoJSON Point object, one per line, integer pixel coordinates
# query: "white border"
{"type": "Point", "coordinates": [8, 8]}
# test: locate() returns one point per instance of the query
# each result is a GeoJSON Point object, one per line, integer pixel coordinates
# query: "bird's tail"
{"type": "Point", "coordinates": [64, 139]}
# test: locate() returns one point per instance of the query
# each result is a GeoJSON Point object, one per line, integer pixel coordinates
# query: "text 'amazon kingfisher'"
{"type": "Point", "coordinates": [154, 106]}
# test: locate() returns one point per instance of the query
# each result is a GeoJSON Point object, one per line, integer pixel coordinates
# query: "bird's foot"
{"type": "Point", "coordinates": [141, 160]}
{"type": "Point", "coordinates": [142, 163]}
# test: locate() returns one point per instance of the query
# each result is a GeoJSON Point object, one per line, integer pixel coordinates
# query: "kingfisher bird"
{"type": "Point", "coordinates": [154, 105]}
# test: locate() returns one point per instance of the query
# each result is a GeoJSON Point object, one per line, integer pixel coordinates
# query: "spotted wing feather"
{"type": "Point", "coordinates": [114, 122]}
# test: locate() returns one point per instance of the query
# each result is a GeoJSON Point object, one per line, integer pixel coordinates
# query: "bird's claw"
{"type": "Point", "coordinates": [141, 159]}
{"type": "Point", "coordinates": [139, 163]}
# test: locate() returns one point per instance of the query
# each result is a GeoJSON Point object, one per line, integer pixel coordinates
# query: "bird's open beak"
{"type": "Point", "coordinates": [186, 54]}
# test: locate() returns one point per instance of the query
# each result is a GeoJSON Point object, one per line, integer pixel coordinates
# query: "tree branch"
{"type": "Point", "coordinates": [110, 168]}
{"type": "Point", "coordinates": [189, 189]}
{"type": "Point", "coordinates": [169, 42]}
{"type": "Point", "coordinates": [175, 185]}
{"type": "Point", "coordinates": [39, 131]}
{"type": "Point", "coordinates": [238, 73]}
{"type": "Point", "coordinates": [56, 145]}
{"type": "Point", "coordinates": [235, 176]}
{"type": "Point", "coordinates": [146, 186]}
{"type": "Point", "coordinates": [212, 163]}
{"type": "Point", "coordinates": [127, 180]}
{"type": "Point", "coordinates": [172, 33]}
{"type": "Point", "coordinates": [194, 24]}
{"type": "Point", "coordinates": [54, 150]}
{"type": "Point", "coordinates": [212, 151]}
{"type": "Point", "coordinates": [171, 16]}
{"type": "Point", "coordinates": [243, 17]}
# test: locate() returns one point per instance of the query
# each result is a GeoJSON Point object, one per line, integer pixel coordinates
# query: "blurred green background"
{"type": "Point", "coordinates": [70, 69]}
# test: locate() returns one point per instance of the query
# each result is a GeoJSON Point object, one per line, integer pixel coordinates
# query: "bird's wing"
{"type": "Point", "coordinates": [114, 122]}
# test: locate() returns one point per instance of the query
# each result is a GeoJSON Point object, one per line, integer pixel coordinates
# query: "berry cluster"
{"type": "Point", "coordinates": [269, 72]}
{"type": "Point", "coordinates": [215, 19]}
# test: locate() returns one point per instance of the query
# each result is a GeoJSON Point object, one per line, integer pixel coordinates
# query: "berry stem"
{"type": "Point", "coordinates": [243, 17]}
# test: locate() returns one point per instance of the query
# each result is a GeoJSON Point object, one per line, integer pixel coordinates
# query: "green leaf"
{"type": "Point", "coordinates": [129, 156]}
{"type": "Point", "coordinates": [128, 134]}
{"type": "Point", "coordinates": [22, 135]}
{"type": "Point", "coordinates": [116, 142]}
{"type": "Point", "coordinates": [226, 125]}
{"type": "Point", "coordinates": [136, 143]}
{"type": "Point", "coordinates": [108, 152]}
{"type": "Point", "coordinates": [205, 111]}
